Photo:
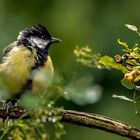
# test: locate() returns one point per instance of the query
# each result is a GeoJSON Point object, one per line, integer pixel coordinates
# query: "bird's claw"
{"type": "Point", "coordinates": [7, 105]}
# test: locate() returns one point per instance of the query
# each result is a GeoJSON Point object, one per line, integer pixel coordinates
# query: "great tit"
{"type": "Point", "coordinates": [26, 64]}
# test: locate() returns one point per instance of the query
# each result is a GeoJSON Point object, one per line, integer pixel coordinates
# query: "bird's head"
{"type": "Point", "coordinates": [36, 36]}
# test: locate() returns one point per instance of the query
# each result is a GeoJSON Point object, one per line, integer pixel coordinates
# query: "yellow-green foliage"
{"type": "Point", "coordinates": [110, 63]}
{"type": "Point", "coordinates": [128, 63]}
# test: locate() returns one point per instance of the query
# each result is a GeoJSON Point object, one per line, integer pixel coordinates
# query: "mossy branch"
{"type": "Point", "coordinates": [83, 119]}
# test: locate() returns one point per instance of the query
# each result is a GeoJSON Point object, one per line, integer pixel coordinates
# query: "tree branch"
{"type": "Point", "coordinates": [15, 113]}
{"type": "Point", "coordinates": [83, 119]}
{"type": "Point", "coordinates": [100, 122]}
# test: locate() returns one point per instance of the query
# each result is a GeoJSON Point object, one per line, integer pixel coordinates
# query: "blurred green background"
{"type": "Point", "coordinates": [97, 23]}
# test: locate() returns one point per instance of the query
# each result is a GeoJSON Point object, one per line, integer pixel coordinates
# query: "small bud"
{"type": "Point", "coordinates": [118, 58]}
{"type": "Point", "coordinates": [131, 27]}
{"type": "Point", "coordinates": [43, 119]}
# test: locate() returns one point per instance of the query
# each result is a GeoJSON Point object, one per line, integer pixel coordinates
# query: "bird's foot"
{"type": "Point", "coordinates": [8, 105]}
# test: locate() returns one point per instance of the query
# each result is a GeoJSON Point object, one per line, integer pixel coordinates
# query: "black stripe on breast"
{"type": "Point", "coordinates": [41, 57]}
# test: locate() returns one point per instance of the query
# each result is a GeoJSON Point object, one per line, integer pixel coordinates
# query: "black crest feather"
{"type": "Point", "coordinates": [37, 30]}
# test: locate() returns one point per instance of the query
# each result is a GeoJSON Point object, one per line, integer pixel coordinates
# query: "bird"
{"type": "Point", "coordinates": [26, 64]}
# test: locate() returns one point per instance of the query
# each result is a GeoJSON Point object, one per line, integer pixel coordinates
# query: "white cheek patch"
{"type": "Point", "coordinates": [39, 42]}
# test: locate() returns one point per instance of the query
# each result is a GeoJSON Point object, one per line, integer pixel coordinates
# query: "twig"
{"type": "Point", "coordinates": [84, 119]}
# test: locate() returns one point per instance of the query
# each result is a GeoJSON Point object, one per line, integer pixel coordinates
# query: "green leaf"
{"type": "Point", "coordinates": [127, 84]}
{"type": "Point", "coordinates": [29, 101]}
{"type": "Point", "coordinates": [110, 62]}
{"type": "Point", "coordinates": [131, 27]}
{"type": "Point", "coordinates": [122, 98]}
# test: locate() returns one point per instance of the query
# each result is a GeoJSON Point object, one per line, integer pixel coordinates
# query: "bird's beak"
{"type": "Point", "coordinates": [55, 40]}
